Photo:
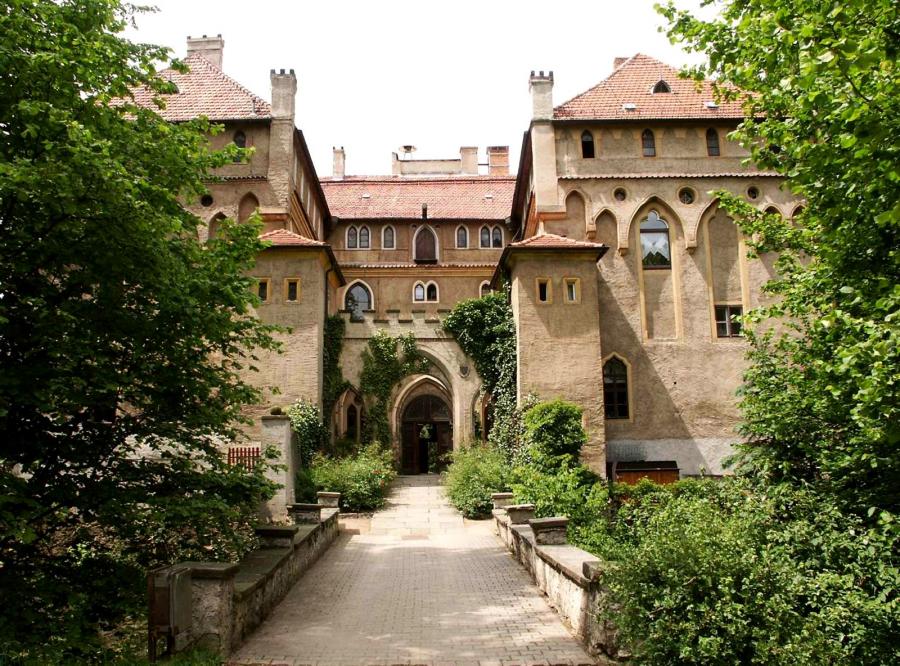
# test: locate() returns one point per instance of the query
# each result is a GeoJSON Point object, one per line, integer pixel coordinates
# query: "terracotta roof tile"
{"type": "Point", "coordinates": [205, 91]}
{"type": "Point", "coordinates": [673, 174]}
{"type": "Point", "coordinates": [632, 83]}
{"type": "Point", "coordinates": [419, 267]}
{"type": "Point", "coordinates": [455, 197]}
{"type": "Point", "coordinates": [556, 242]}
{"type": "Point", "coordinates": [285, 238]}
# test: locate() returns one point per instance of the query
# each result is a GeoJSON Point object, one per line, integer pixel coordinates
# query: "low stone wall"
{"type": "Point", "coordinates": [569, 577]}
{"type": "Point", "coordinates": [229, 600]}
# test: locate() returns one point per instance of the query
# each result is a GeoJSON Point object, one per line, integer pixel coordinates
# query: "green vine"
{"type": "Point", "coordinates": [485, 330]}
{"type": "Point", "coordinates": [333, 382]}
{"type": "Point", "coordinates": [386, 361]}
{"type": "Point", "coordinates": [306, 422]}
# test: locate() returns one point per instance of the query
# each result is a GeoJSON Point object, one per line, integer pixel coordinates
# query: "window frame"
{"type": "Point", "coordinates": [384, 230]}
{"type": "Point", "coordinates": [437, 245]}
{"type": "Point", "coordinates": [462, 228]}
{"type": "Point", "coordinates": [588, 145]}
{"type": "Point", "coordinates": [627, 393]}
{"type": "Point", "coordinates": [728, 321]}
{"type": "Point", "coordinates": [437, 292]}
{"type": "Point", "coordinates": [416, 287]}
{"type": "Point", "coordinates": [642, 231]}
{"type": "Point", "coordinates": [286, 288]}
{"type": "Point", "coordinates": [576, 283]}
{"type": "Point", "coordinates": [713, 143]}
{"type": "Point", "coordinates": [496, 229]}
{"type": "Point", "coordinates": [661, 87]}
{"type": "Point", "coordinates": [481, 287]}
{"type": "Point", "coordinates": [371, 293]}
{"type": "Point", "coordinates": [368, 245]}
{"type": "Point", "coordinates": [648, 148]}
{"type": "Point", "coordinates": [355, 230]}
{"type": "Point", "coordinates": [268, 282]}
{"type": "Point", "coordinates": [538, 281]}
{"type": "Point", "coordinates": [481, 245]}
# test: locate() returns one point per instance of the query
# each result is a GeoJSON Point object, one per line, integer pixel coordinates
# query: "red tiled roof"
{"type": "Point", "coordinates": [454, 197]}
{"type": "Point", "coordinates": [285, 238]}
{"type": "Point", "coordinates": [632, 83]}
{"type": "Point", "coordinates": [205, 91]}
{"type": "Point", "coordinates": [425, 267]}
{"type": "Point", "coordinates": [556, 242]}
{"type": "Point", "coordinates": [673, 174]}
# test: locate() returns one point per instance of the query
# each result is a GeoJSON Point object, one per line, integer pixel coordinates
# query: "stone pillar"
{"type": "Point", "coordinates": [543, 144]}
{"type": "Point", "coordinates": [276, 433]}
{"type": "Point", "coordinates": [338, 165]}
{"type": "Point", "coordinates": [212, 601]}
{"type": "Point", "coordinates": [211, 48]}
{"type": "Point", "coordinates": [281, 135]}
{"type": "Point", "coordinates": [468, 160]}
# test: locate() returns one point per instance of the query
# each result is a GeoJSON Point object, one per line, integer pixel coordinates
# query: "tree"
{"type": "Point", "coordinates": [122, 339]}
{"type": "Point", "coordinates": [820, 399]}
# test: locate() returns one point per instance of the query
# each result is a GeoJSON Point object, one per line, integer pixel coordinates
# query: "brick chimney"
{"type": "Point", "coordinates": [340, 157]}
{"type": "Point", "coordinates": [618, 62]}
{"type": "Point", "coordinates": [210, 48]}
{"type": "Point", "coordinates": [541, 88]}
{"type": "Point", "coordinates": [498, 160]}
{"type": "Point", "coordinates": [468, 158]}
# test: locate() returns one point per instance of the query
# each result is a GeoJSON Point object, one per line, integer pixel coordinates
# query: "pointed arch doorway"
{"type": "Point", "coordinates": [426, 434]}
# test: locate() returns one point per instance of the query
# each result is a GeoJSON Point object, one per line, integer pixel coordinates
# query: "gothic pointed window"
{"type": "Point", "coordinates": [648, 143]}
{"type": "Point", "coordinates": [419, 292]}
{"type": "Point", "coordinates": [364, 238]}
{"type": "Point", "coordinates": [387, 238]}
{"type": "Point", "coordinates": [431, 293]}
{"type": "Point", "coordinates": [661, 87]}
{"type": "Point", "coordinates": [358, 300]}
{"type": "Point", "coordinates": [655, 248]}
{"type": "Point", "coordinates": [712, 143]}
{"type": "Point", "coordinates": [462, 237]}
{"type": "Point", "coordinates": [497, 237]}
{"type": "Point", "coordinates": [425, 246]}
{"type": "Point", "coordinates": [615, 388]}
{"type": "Point", "coordinates": [485, 235]}
{"type": "Point", "coordinates": [587, 145]}
{"type": "Point", "coordinates": [352, 238]}
{"type": "Point", "coordinates": [485, 288]}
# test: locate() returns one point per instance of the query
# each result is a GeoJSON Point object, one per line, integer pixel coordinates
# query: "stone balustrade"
{"type": "Point", "coordinates": [569, 576]}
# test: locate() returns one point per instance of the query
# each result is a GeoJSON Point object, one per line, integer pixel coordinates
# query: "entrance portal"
{"type": "Point", "coordinates": [426, 434]}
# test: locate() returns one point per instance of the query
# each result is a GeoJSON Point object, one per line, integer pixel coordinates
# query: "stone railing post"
{"type": "Point", "coordinates": [212, 601]}
{"type": "Point", "coordinates": [305, 513]}
{"type": "Point", "coordinates": [328, 499]}
{"type": "Point", "coordinates": [276, 432]}
{"type": "Point", "coordinates": [549, 531]}
{"type": "Point", "coordinates": [502, 500]}
{"type": "Point", "coordinates": [520, 514]}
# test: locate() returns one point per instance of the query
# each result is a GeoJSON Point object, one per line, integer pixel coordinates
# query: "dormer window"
{"type": "Point", "coordinates": [661, 87]}
{"type": "Point", "coordinates": [587, 145]}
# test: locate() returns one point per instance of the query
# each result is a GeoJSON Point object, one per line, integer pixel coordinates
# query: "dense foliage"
{"type": "Point", "coordinates": [333, 382]}
{"type": "Point", "coordinates": [553, 432]}
{"type": "Point", "coordinates": [476, 472]}
{"type": "Point", "coordinates": [122, 339]}
{"type": "Point", "coordinates": [363, 479]}
{"type": "Point", "coordinates": [386, 361]}
{"type": "Point", "coordinates": [822, 397]}
{"type": "Point", "coordinates": [486, 332]}
{"type": "Point", "coordinates": [312, 434]}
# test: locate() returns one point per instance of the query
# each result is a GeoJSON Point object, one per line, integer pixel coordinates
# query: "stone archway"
{"type": "Point", "coordinates": [426, 431]}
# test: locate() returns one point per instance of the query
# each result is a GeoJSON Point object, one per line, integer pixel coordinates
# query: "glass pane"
{"type": "Point", "coordinates": [542, 291]}
{"type": "Point", "coordinates": [262, 290]}
{"type": "Point", "coordinates": [721, 329]}
{"type": "Point", "coordinates": [462, 237]}
{"type": "Point", "coordinates": [292, 290]}
{"type": "Point", "coordinates": [653, 222]}
{"type": "Point", "coordinates": [351, 237]}
{"type": "Point", "coordinates": [485, 237]}
{"type": "Point", "coordinates": [655, 249]}
{"type": "Point", "coordinates": [419, 293]}
{"type": "Point", "coordinates": [570, 287]}
{"type": "Point", "coordinates": [498, 237]}
{"type": "Point", "coordinates": [389, 237]}
{"type": "Point", "coordinates": [358, 299]}
{"type": "Point", "coordinates": [364, 237]}
{"type": "Point", "coordinates": [432, 292]}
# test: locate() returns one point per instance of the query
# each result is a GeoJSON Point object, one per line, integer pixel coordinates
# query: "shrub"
{"type": "Point", "coordinates": [305, 486]}
{"type": "Point", "coordinates": [306, 422]}
{"type": "Point", "coordinates": [553, 431]}
{"type": "Point", "coordinates": [362, 479]}
{"type": "Point", "coordinates": [736, 575]}
{"type": "Point", "coordinates": [476, 471]}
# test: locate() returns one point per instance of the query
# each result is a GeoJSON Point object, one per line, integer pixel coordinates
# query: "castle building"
{"type": "Point", "coordinates": [625, 275]}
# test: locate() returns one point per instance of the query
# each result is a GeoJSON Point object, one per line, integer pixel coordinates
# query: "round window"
{"type": "Point", "coordinates": [620, 194]}
{"type": "Point", "coordinates": [753, 192]}
{"type": "Point", "coordinates": [206, 200]}
{"type": "Point", "coordinates": [686, 195]}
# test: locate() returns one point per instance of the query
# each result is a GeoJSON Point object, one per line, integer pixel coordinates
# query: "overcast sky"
{"type": "Point", "coordinates": [375, 75]}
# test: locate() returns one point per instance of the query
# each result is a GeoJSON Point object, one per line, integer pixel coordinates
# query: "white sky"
{"type": "Point", "coordinates": [375, 75]}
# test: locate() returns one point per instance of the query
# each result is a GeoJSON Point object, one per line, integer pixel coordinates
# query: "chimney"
{"type": "Point", "coordinates": [468, 158]}
{"type": "Point", "coordinates": [541, 88]}
{"type": "Point", "coordinates": [210, 48]}
{"type": "Point", "coordinates": [284, 90]}
{"type": "Point", "coordinates": [498, 160]}
{"type": "Point", "coordinates": [618, 62]}
{"type": "Point", "coordinates": [337, 171]}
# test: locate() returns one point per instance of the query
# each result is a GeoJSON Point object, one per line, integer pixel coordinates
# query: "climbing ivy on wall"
{"type": "Point", "coordinates": [386, 361]}
{"type": "Point", "coordinates": [333, 382]}
{"type": "Point", "coordinates": [485, 330]}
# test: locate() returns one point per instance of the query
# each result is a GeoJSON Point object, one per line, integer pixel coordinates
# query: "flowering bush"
{"type": "Point", "coordinates": [363, 478]}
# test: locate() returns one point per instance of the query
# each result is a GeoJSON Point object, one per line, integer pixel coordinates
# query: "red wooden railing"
{"type": "Point", "coordinates": [246, 456]}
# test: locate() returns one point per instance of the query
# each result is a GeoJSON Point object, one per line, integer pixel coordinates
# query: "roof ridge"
{"type": "Point", "coordinates": [616, 70]}
{"type": "Point", "coordinates": [194, 57]}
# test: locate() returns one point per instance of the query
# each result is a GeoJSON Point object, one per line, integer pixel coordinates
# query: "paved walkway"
{"type": "Point", "coordinates": [416, 585]}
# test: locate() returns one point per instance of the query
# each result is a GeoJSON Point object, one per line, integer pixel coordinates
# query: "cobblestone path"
{"type": "Point", "coordinates": [416, 585]}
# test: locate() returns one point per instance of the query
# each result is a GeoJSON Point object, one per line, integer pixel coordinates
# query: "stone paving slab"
{"type": "Point", "coordinates": [418, 585]}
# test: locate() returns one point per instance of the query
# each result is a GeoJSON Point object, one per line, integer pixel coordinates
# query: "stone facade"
{"type": "Point", "coordinates": [640, 347]}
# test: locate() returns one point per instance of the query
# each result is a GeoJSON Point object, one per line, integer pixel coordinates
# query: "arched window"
{"type": "Point", "coordinates": [352, 422]}
{"type": "Point", "coordinates": [485, 288]}
{"type": "Point", "coordinates": [240, 139]}
{"type": "Point", "coordinates": [712, 143]}
{"type": "Point", "coordinates": [485, 237]}
{"type": "Point", "coordinates": [358, 300]}
{"type": "Point", "coordinates": [462, 237]}
{"type": "Point", "coordinates": [419, 292]}
{"type": "Point", "coordinates": [648, 143]}
{"type": "Point", "coordinates": [655, 250]}
{"type": "Point", "coordinates": [661, 87]}
{"type": "Point", "coordinates": [247, 207]}
{"type": "Point", "coordinates": [497, 237]}
{"type": "Point", "coordinates": [425, 246]}
{"type": "Point", "coordinates": [387, 238]}
{"type": "Point", "coordinates": [213, 226]}
{"type": "Point", "coordinates": [431, 292]}
{"type": "Point", "coordinates": [615, 388]}
{"type": "Point", "coordinates": [364, 238]}
{"type": "Point", "coordinates": [587, 144]}
{"type": "Point", "coordinates": [352, 238]}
